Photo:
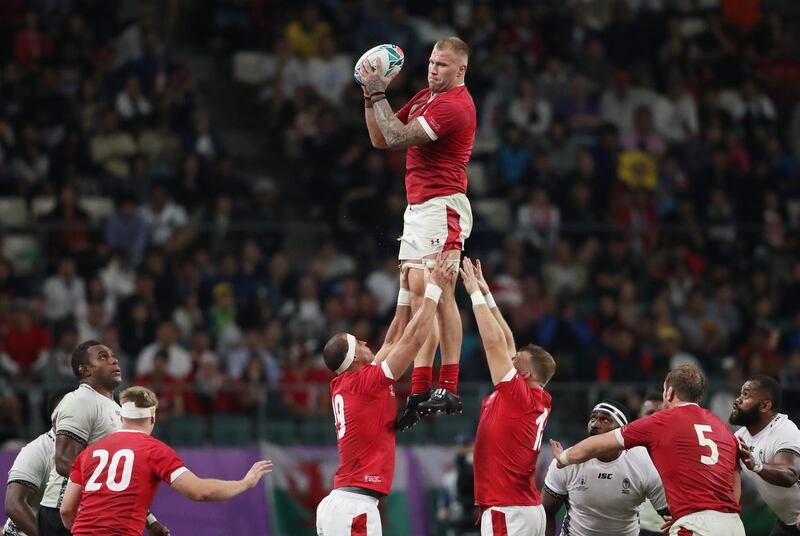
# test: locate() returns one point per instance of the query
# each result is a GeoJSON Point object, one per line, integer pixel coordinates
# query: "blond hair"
{"type": "Point", "coordinates": [454, 44]}
{"type": "Point", "coordinates": [142, 397]}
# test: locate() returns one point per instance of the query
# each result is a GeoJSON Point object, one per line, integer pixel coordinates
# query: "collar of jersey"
{"type": "Point", "coordinates": [688, 404]}
{"type": "Point", "coordinates": [772, 423]}
{"type": "Point", "coordinates": [129, 430]}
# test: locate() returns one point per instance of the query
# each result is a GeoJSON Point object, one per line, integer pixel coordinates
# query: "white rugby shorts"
{"type": "Point", "coordinates": [708, 523]}
{"type": "Point", "coordinates": [436, 225]}
{"type": "Point", "coordinates": [513, 521]}
{"type": "Point", "coordinates": [343, 513]}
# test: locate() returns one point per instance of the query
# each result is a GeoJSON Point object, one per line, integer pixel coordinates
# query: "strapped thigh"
{"type": "Point", "coordinates": [426, 263]}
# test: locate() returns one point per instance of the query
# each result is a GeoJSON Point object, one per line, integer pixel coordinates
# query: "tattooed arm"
{"type": "Point", "coordinates": [396, 134]}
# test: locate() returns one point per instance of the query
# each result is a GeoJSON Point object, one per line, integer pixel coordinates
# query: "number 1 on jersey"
{"type": "Point", "coordinates": [702, 429]}
{"type": "Point", "coordinates": [541, 422]}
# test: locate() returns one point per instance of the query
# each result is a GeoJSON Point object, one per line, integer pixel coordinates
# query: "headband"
{"type": "Point", "coordinates": [349, 356]}
{"type": "Point", "coordinates": [131, 411]}
{"type": "Point", "coordinates": [613, 411]}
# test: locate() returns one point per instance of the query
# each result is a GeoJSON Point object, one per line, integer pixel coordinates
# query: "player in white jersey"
{"type": "Point", "coordinates": [27, 479]}
{"type": "Point", "coordinates": [649, 520]}
{"type": "Point", "coordinates": [85, 415]}
{"type": "Point", "coordinates": [770, 450]}
{"type": "Point", "coordinates": [603, 494]}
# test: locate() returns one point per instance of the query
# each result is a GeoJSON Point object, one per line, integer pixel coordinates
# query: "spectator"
{"type": "Point", "coordinates": [112, 149]}
{"type": "Point", "coordinates": [305, 36]}
{"type": "Point", "coordinates": [253, 350]}
{"type": "Point", "coordinates": [23, 342]}
{"type": "Point", "coordinates": [63, 291]}
{"type": "Point", "coordinates": [539, 221]}
{"type": "Point", "coordinates": [179, 362]}
{"type": "Point", "coordinates": [167, 221]}
{"type": "Point", "coordinates": [131, 105]}
{"type": "Point", "coordinates": [53, 366]}
{"type": "Point", "coordinates": [329, 72]}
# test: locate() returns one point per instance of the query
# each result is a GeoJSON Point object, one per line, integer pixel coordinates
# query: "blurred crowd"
{"type": "Point", "coordinates": [634, 183]}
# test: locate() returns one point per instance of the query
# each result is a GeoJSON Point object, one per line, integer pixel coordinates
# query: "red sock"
{"type": "Point", "coordinates": [421, 380]}
{"type": "Point", "coordinates": [448, 378]}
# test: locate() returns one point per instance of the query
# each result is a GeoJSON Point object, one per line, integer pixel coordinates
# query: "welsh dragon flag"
{"type": "Point", "coordinates": [303, 476]}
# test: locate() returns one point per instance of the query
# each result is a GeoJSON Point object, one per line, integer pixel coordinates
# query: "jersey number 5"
{"type": "Point", "coordinates": [124, 455]}
{"type": "Point", "coordinates": [541, 422]}
{"type": "Point", "coordinates": [338, 415]}
{"type": "Point", "coordinates": [706, 442]}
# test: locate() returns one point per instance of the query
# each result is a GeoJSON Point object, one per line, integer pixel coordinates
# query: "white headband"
{"type": "Point", "coordinates": [349, 356]}
{"type": "Point", "coordinates": [131, 411]}
{"type": "Point", "coordinates": [613, 411]}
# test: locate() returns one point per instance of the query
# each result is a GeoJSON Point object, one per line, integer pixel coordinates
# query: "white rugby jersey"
{"type": "Point", "coordinates": [31, 468]}
{"type": "Point", "coordinates": [603, 498]}
{"type": "Point", "coordinates": [85, 416]}
{"type": "Point", "coordinates": [780, 435]}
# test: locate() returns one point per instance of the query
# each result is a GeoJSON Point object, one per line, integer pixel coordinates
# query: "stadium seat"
{"type": "Point", "coordinates": [496, 212]}
{"type": "Point", "coordinates": [233, 430]}
{"type": "Point", "coordinates": [248, 67]}
{"type": "Point", "coordinates": [278, 431]}
{"type": "Point", "coordinates": [478, 179]}
{"type": "Point", "coordinates": [187, 430]}
{"type": "Point", "coordinates": [22, 250]}
{"type": "Point", "coordinates": [13, 212]}
{"type": "Point", "coordinates": [42, 205]}
{"type": "Point", "coordinates": [99, 208]}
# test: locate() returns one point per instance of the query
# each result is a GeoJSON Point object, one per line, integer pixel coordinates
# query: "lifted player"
{"type": "Point", "coordinates": [437, 127]}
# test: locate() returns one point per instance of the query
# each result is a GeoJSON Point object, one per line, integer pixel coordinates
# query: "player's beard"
{"type": "Point", "coordinates": [744, 417]}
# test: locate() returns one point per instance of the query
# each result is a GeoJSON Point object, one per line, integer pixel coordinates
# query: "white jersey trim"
{"type": "Point", "coordinates": [176, 473]}
{"type": "Point", "coordinates": [387, 370]}
{"type": "Point", "coordinates": [618, 435]}
{"type": "Point", "coordinates": [427, 128]}
{"type": "Point", "coordinates": [509, 375]}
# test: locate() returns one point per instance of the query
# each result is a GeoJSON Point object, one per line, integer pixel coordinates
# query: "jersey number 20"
{"type": "Point", "coordinates": [125, 456]}
{"type": "Point", "coordinates": [704, 441]}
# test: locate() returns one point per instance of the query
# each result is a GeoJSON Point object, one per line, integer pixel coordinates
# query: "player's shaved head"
{"type": "Point", "coordinates": [688, 382]}
{"type": "Point", "coordinates": [80, 356]}
{"type": "Point", "coordinates": [335, 351]}
{"type": "Point", "coordinates": [539, 361]}
{"type": "Point", "coordinates": [455, 45]}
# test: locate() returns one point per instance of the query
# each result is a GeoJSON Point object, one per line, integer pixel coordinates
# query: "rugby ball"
{"type": "Point", "coordinates": [391, 56]}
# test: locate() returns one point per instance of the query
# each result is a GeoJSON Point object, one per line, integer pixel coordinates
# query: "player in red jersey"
{"type": "Point", "coordinates": [512, 421]}
{"type": "Point", "coordinates": [113, 481]}
{"type": "Point", "coordinates": [365, 409]}
{"type": "Point", "coordinates": [437, 127]}
{"type": "Point", "coordinates": [693, 450]}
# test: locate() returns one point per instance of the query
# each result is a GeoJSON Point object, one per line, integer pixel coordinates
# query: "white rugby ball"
{"type": "Point", "coordinates": [391, 56]}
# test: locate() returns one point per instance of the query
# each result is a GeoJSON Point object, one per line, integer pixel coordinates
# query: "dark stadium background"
{"type": "Point", "coordinates": [191, 182]}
